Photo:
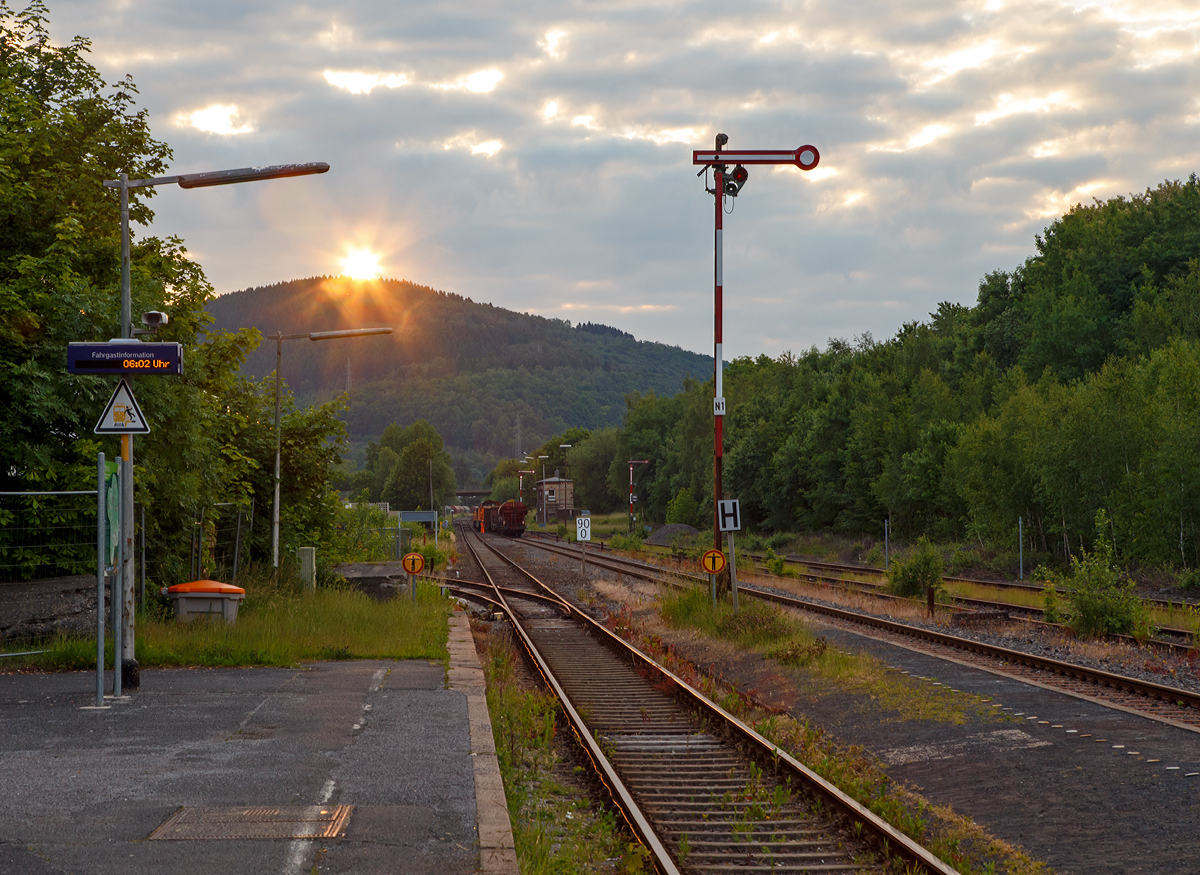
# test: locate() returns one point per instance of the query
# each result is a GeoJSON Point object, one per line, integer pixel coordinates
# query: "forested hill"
{"type": "Point", "coordinates": [469, 368]}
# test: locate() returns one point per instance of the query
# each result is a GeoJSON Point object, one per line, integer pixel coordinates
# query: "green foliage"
{"type": "Point", "coordinates": [360, 534]}
{"type": "Point", "coordinates": [775, 564]}
{"type": "Point", "coordinates": [683, 509]}
{"type": "Point", "coordinates": [1189, 580]}
{"type": "Point", "coordinates": [628, 542]}
{"type": "Point", "coordinates": [408, 468]}
{"type": "Point", "coordinates": [1101, 600]}
{"type": "Point", "coordinates": [212, 440]}
{"type": "Point", "coordinates": [1052, 610]}
{"type": "Point", "coordinates": [913, 576]}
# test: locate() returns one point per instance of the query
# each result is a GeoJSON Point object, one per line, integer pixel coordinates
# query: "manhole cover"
{"type": "Point", "coordinates": [291, 822]}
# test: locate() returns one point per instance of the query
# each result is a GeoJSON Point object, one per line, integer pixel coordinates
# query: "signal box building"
{"type": "Point", "coordinates": [555, 499]}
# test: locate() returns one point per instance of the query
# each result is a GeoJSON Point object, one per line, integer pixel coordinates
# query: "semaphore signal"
{"type": "Point", "coordinates": [728, 183]}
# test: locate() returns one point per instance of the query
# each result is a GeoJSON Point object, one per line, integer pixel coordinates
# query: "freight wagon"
{"type": "Point", "coordinates": [503, 519]}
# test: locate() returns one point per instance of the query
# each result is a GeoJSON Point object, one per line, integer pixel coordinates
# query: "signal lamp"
{"type": "Point", "coordinates": [735, 180]}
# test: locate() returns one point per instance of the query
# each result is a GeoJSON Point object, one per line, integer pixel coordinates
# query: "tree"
{"type": "Point", "coordinates": [63, 132]}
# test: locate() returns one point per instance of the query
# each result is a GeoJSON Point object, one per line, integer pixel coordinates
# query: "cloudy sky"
{"type": "Point", "coordinates": [537, 154]}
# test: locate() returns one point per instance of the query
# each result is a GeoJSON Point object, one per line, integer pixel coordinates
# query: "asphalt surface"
{"type": "Point", "coordinates": [82, 790]}
{"type": "Point", "coordinates": [1087, 788]}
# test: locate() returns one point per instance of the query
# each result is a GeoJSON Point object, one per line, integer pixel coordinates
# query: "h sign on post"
{"type": "Point", "coordinates": [729, 516]}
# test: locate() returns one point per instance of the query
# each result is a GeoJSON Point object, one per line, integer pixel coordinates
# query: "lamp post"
{"type": "Point", "coordinates": [543, 458]}
{"type": "Point", "coordinates": [633, 462]}
{"type": "Point", "coordinates": [521, 484]}
{"type": "Point", "coordinates": [567, 447]}
{"type": "Point", "coordinates": [279, 338]}
{"type": "Point", "coordinates": [124, 662]}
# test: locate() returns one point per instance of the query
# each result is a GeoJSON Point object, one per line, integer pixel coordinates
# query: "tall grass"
{"type": "Point", "coordinates": [278, 628]}
{"type": "Point", "coordinates": [781, 636]}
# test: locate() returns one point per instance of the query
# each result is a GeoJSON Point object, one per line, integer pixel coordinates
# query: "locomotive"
{"type": "Point", "coordinates": [503, 519]}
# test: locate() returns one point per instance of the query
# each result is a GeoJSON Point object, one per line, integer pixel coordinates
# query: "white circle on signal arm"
{"type": "Point", "coordinates": [583, 528]}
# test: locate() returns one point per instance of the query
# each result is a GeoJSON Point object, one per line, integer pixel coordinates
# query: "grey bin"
{"type": "Point", "coordinates": [205, 598]}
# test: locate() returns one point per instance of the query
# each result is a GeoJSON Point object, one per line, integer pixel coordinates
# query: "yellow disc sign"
{"type": "Point", "coordinates": [713, 561]}
{"type": "Point", "coordinates": [414, 563]}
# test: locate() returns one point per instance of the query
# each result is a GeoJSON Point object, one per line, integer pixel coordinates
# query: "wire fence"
{"type": "Point", "coordinates": [47, 534]}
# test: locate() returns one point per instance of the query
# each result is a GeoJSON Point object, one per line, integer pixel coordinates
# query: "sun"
{"type": "Point", "coordinates": [361, 263]}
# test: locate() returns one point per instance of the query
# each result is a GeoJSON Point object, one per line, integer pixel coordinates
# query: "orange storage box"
{"type": "Point", "coordinates": [205, 598]}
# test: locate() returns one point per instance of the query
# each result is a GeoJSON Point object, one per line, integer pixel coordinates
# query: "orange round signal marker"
{"type": "Point", "coordinates": [713, 561]}
{"type": "Point", "coordinates": [414, 563]}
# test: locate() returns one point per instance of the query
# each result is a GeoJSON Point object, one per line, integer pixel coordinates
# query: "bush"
{"type": "Point", "coordinates": [683, 508]}
{"type": "Point", "coordinates": [1188, 580]}
{"type": "Point", "coordinates": [1102, 601]}
{"type": "Point", "coordinates": [921, 570]}
{"type": "Point", "coordinates": [779, 539]}
{"type": "Point", "coordinates": [774, 563]}
{"type": "Point", "coordinates": [628, 542]}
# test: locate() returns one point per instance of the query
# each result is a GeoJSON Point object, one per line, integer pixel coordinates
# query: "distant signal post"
{"type": "Point", "coordinates": [728, 183]}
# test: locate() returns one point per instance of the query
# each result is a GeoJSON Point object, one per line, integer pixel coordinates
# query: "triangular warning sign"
{"type": "Point", "coordinates": [122, 415]}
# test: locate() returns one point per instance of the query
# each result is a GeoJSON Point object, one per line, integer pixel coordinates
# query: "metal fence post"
{"type": "Point", "coordinates": [116, 599]}
{"type": "Point", "coordinates": [101, 544]}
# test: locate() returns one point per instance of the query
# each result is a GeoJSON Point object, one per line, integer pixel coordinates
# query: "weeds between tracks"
{"type": "Point", "coordinates": [557, 825]}
{"type": "Point", "coordinates": [773, 634]}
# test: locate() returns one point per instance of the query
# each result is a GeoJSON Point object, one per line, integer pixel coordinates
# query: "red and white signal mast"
{"type": "Point", "coordinates": [727, 183]}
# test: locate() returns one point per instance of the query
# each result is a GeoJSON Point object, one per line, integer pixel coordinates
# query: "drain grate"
{"type": "Point", "coordinates": [292, 822]}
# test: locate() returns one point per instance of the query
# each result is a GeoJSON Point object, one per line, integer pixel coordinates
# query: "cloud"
{"type": "Point", "coordinates": [357, 82]}
{"type": "Point", "coordinates": [538, 155]}
{"type": "Point", "coordinates": [218, 118]}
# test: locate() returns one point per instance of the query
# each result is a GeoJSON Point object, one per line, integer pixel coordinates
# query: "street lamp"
{"type": "Point", "coordinates": [543, 458]}
{"type": "Point", "coordinates": [279, 338]}
{"type": "Point", "coordinates": [633, 462]}
{"type": "Point", "coordinates": [521, 484]}
{"type": "Point", "coordinates": [567, 447]}
{"type": "Point", "coordinates": [125, 641]}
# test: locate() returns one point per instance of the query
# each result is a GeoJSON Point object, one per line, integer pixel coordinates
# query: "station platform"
{"type": "Point", "coordinates": [364, 767]}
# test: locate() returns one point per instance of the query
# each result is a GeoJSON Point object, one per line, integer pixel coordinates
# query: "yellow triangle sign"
{"type": "Point", "coordinates": [122, 415]}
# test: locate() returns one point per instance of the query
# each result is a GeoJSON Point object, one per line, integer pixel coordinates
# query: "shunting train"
{"type": "Point", "coordinates": [503, 519]}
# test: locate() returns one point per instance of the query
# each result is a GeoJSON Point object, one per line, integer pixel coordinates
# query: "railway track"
{"type": "Point", "coordinates": [701, 790]}
{"type": "Point", "coordinates": [1168, 704]}
{"type": "Point", "coordinates": [838, 574]}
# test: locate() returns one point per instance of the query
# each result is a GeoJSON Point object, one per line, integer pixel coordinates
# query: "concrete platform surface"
{"type": "Point", "coordinates": [82, 791]}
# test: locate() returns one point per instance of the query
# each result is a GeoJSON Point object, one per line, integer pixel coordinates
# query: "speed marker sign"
{"type": "Point", "coordinates": [583, 528]}
{"type": "Point", "coordinates": [713, 561]}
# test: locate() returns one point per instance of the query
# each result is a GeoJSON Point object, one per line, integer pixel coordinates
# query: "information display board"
{"type": "Point", "coordinates": [124, 359]}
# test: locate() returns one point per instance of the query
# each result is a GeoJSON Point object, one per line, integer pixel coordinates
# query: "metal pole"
{"type": "Point", "coordinates": [718, 333]}
{"type": "Point", "coordinates": [885, 542]}
{"type": "Point", "coordinates": [126, 306]}
{"type": "Point", "coordinates": [101, 561]}
{"type": "Point", "coordinates": [116, 579]}
{"type": "Point", "coordinates": [278, 443]}
{"type": "Point", "coordinates": [143, 566]}
{"type": "Point", "coordinates": [732, 573]}
{"type": "Point", "coordinates": [237, 546]}
{"type": "Point", "coordinates": [712, 590]}
{"type": "Point", "coordinates": [631, 498]}
{"type": "Point", "coordinates": [129, 672]}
